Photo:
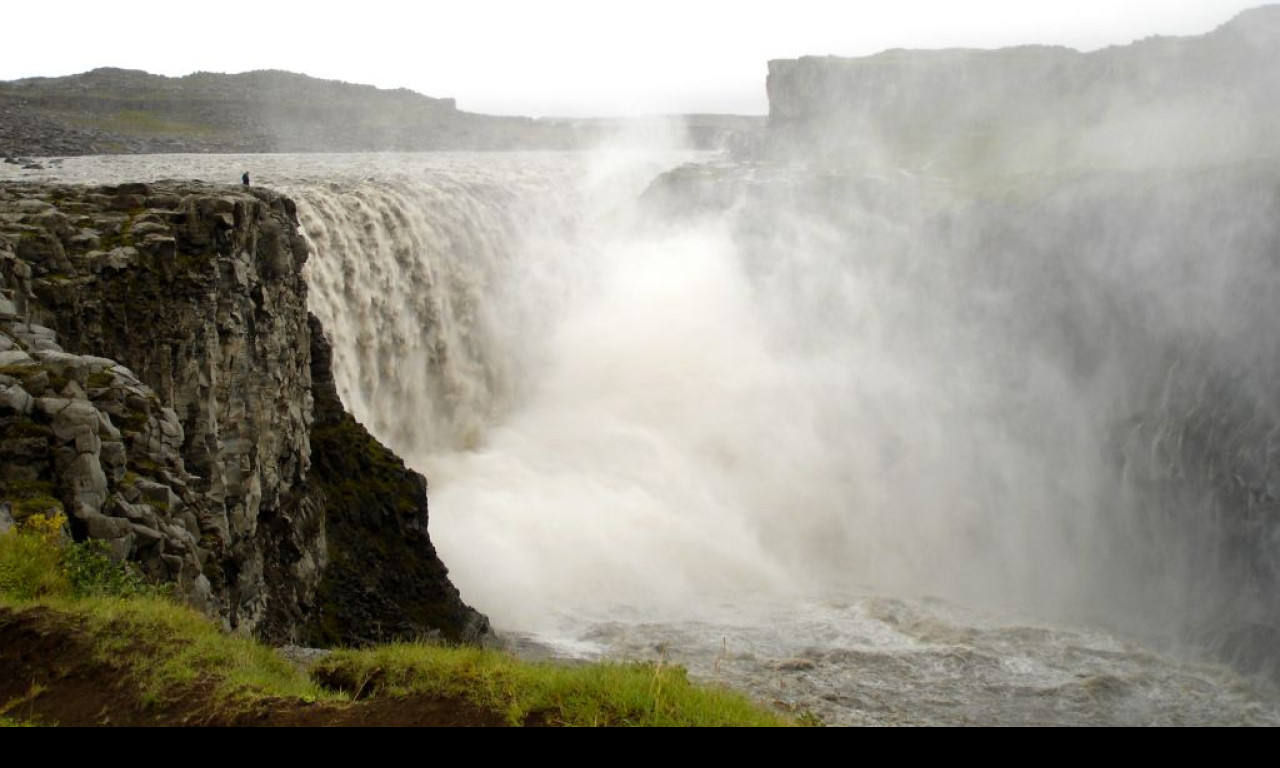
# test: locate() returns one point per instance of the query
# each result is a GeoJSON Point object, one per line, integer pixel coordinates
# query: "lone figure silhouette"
{"type": "Point", "coordinates": [245, 178]}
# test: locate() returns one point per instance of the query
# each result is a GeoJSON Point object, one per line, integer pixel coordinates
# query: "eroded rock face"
{"type": "Point", "coordinates": [84, 437]}
{"type": "Point", "coordinates": [195, 459]}
{"type": "Point", "coordinates": [378, 541]}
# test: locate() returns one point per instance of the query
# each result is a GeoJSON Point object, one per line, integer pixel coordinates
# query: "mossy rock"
{"type": "Point", "coordinates": [36, 505]}
{"type": "Point", "coordinates": [100, 379]}
{"type": "Point", "coordinates": [22, 427]}
{"type": "Point", "coordinates": [131, 422]}
{"type": "Point", "coordinates": [30, 497]}
{"type": "Point", "coordinates": [20, 371]}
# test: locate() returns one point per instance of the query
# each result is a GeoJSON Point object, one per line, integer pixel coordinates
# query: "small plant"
{"type": "Point", "coordinates": [49, 528]}
{"type": "Point", "coordinates": [39, 560]}
{"type": "Point", "coordinates": [809, 719]}
{"type": "Point", "coordinates": [94, 573]}
{"type": "Point", "coordinates": [30, 560]}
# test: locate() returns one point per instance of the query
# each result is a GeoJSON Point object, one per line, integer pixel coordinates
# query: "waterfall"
{"type": "Point", "coordinates": [547, 364]}
{"type": "Point", "coordinates": [410, 284]}
{"type": "Point", "coordinates": [754, 419]}
{"type": "Point", "coordinates": [803, 389]}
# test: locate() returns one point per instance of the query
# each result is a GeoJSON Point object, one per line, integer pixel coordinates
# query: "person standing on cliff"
{"type": "Point", "coordinates": [245, 179]}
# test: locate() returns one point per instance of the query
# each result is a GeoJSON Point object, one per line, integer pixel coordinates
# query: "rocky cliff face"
{"type": "Point", "coordinates": [181, 426]}
{"type": "Point", "coordinates": [1158, 102]}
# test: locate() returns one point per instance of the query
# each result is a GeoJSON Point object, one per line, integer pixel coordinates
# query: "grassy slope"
{"type": "Point", "coordinates": [168, 656]}
{"type": "Point", "coordinates": [143, 123]}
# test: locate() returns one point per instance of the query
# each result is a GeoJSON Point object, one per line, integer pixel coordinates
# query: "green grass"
{"type": "Point", "coordinates": [141, 122]}
{"type": "Point", "coordinates": [8, 719]}
{"type": "Point", "coordinates": [170, 651]}
{"type": "Point", "coordinates": [652, 695]}
{"type": "Point", "coordinates": [30, 569]}
{"type": "Point", "coordinates": [165, 647]}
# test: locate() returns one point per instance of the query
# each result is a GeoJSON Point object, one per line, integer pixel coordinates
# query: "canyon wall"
{"type": "Point", "coordinates": [167, 390]}
{"type": "Point", "coordinates": [1157, 102]}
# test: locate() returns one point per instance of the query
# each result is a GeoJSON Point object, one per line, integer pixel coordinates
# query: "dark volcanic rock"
{"type": "Point", "coordinates": [200, 460]}
{"type": "Point", "coordinates": [376, 510]}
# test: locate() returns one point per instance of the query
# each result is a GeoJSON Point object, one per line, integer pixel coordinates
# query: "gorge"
{"type": "Point", "coordinates": [903, 431]}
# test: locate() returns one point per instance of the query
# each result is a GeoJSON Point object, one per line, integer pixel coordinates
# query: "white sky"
{"type": "Point", "coordinates": [557, 57]}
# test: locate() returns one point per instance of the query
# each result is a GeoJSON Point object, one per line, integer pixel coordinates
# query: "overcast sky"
{"type": "Point", "coordinates": [557, 57]}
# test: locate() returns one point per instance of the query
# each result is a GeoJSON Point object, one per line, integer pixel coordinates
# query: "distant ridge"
{"type": "Point", "coordinates": [125, 111]}
{"type": "Point", "coordinates": [109, 110]}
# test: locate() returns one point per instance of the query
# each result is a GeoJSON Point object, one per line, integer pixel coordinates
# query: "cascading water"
{"type": "Point", "coordinates": [410, 286]}
{"type": "Point", "coordinates": [753, 430]}
{"type": "Point", "coordinates": [499, 313]}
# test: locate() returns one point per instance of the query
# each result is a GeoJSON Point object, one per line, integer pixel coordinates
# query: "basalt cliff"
{"type": "Point", "coordinates": [163, 386]}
